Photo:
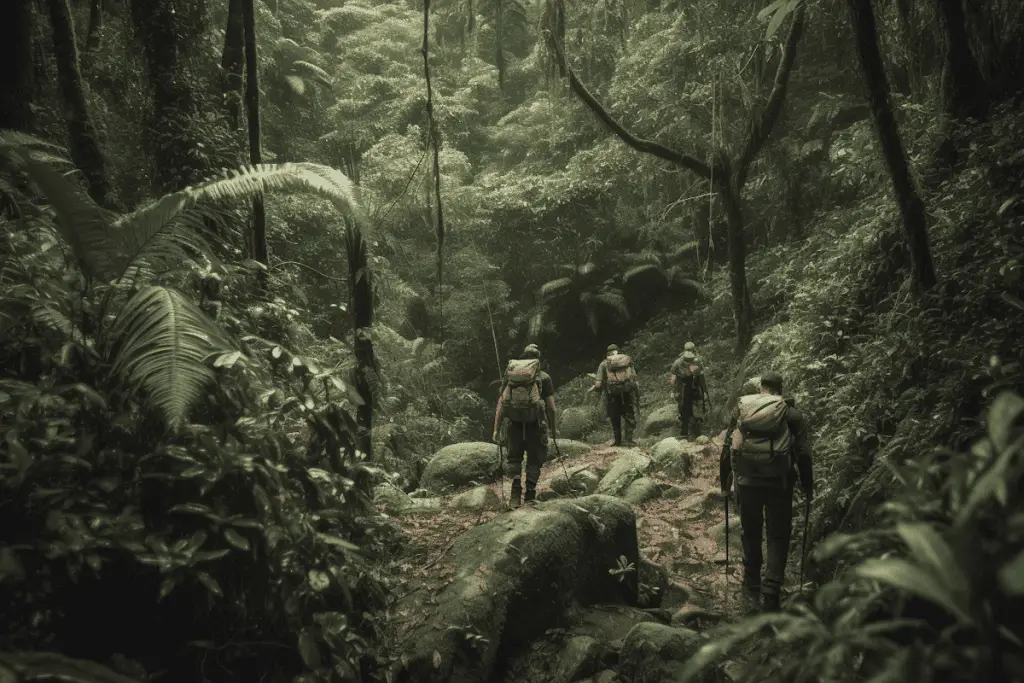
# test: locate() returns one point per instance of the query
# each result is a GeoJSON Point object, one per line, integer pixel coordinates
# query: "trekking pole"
{"type": "Point", "coordinates": [501, 467]}
{"type": "Point", "coordinates": [558, 453]}
{"type": "Point", "coordinates": [727, 546]}
{"type": "Point", "coordinates": [803, 551]}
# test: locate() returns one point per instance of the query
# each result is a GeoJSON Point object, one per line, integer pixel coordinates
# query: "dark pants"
{"type": "Point", "coordinates": [530, 439]}
{"type": "Point", "coordinates": [772, 508]}
{"type": "Point", "coordinates": [690, 421]}
{"type": "Point", "coordinates": [622, 410]}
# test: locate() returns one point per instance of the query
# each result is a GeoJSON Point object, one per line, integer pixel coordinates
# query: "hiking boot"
{"type": "Point", "coordinates": [530, 497]}
{"type": "Point", "coordinates": [770, 602]}
{"type": "Point", "coordinates": [751, 600]}
{"type": "Point", "coordinates": [515, 497]}
{"type": "Point", "coordinates": [628, 441]}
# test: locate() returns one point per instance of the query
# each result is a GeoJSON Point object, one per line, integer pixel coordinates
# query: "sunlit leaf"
{"type": "Point", "coordinates": [1011, 575]}
{"type": "Point", "coordinates": [910, 578]}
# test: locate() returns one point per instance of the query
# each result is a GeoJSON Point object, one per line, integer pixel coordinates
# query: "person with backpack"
{"type": "Point", "coordinates": [616, 378]}
{"type": "Point", "coordinates": [690, 388]}
{"type": "Point", "coordinates": [527, 400]}
{"type": "Point", "coordinates": [766, 449]}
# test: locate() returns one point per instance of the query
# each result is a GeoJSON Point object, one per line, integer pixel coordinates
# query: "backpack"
{"type": "Point", "coordinates": [621, 375]}
{"type": "Point", "coordinates": [521, 398]}
{"type": "Point", "coordinates": [687, 380]}
{"type": "Point", "coordinates": [761, 441]}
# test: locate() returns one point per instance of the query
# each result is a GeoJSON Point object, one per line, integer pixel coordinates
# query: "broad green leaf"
{"type": "Point", "coordinates": [910, 578]}
{"type": "Point", "coordinates": [931, 550]}
{"type": "Point", "coordinates": [309, 650]}
{"type": "Point", "coordinates": [1002, 418]}
{"type": "Point", "coordinates": [1011, 576]}
{"type": "Point", "coordinates": [236, 539]}
{"type": "Point", "coordinates": [727, 638]}
{"type": "Point", "coordinates": [210, 583]}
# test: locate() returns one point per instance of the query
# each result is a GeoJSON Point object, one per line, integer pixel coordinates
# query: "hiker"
{"type": "Point", "coordinates": [751, 387]}
{"type": "Point", "coordinates": [616, 378]}
{"type": "Point", "coordinates": [527, 399]}
{"type": "Point", "coordinates": [765, 451]}
{"type": "Point", "coordinates": [691, 391]}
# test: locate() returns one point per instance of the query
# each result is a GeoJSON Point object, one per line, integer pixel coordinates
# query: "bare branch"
{"type": "Point", "coordinates": [761, 127]}
{"type": "Point", "coordinates": [639, 144]}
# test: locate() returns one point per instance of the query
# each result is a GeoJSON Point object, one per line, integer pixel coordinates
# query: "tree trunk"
{"type": "Point", "coordinates": [17, 82]}
{"type": "Point", "coordinates": [232, 62]}
{"type": "Point", "coordinates": [366, 377]}
{"type": "Point", "coordinates": [84, 147]}
{"type": "Point", "coordinates": [912, 210]}
{"type": "Point", "coordinates": [164, 31]}
{"type": "Point", "coordinates": [92, 39]}
{"type": "Point", "coordinates": [252, 105]}
{"type": "Point", "coordinates": [742, 310]}
{"type": "Point", "coordinates": [964, 92]}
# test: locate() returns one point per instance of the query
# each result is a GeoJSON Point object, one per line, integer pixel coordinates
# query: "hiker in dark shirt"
{"type": "Point", "coordinates": [766, 449]}
{"type": "Point", "coordinates": [616, 379]}
{"type": "Point", "coordinates": [527, 400]}
{"type": "Point", "coordinates": [691, 391]}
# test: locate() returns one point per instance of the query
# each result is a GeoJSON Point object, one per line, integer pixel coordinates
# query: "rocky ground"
{"type": "Point", "coordinates": [612, 576]}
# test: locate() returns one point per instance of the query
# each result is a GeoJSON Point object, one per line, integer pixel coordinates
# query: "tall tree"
{"type": "Point", "coordinates": [164, 28]}
{"type": "Point", "coordinates": [92, 38]}
{"type": "Point", "coordinates": [252, 106]}
{"type": "Point", "coordinates": [84, 147]}
{"type": "Point", "coordinates": [366, 371]}
{"type": "Point", "coordinates": [727, 174]}
{"type": "Point", "coordinates": [912, 210]}
{"type": "Point", "coordinates": [964, 91]}
{"type": "Point", "coordinates": [233, 61]}
{"type": "Point", "coordinates": [17, 78]}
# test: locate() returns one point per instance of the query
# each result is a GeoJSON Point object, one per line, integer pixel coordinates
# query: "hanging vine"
{"type": "Point", "coordinates": [433, 136]}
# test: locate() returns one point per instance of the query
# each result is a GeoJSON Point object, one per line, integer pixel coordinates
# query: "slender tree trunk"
{"type": "Point", "coordinates": [85, 148]}
{"type": "Point", "coordinates": [17, 77]}
{"type": "Point", "coordinates": [742, 309]}
{"type": "Point", "coordinates": [964, 91]}
{"type": "Point", "coordinates": [360, 279]}
{"type": "Point", "coordinates": [232, 62]}
{"type": "Point", "coordinates": [92, 39]}
{"type": "Point", "coordinates": [912, 210]}
{"type": "Point", "coordinates": [252, 105]}
{"type": "Point", "coordinates": [164, 27]}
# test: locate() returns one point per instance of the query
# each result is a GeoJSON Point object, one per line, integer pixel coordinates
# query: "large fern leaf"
{"type": "Point", "coordinates": [639, 271]}
{"type": "Point", "coordinates": [550, 290]}
{"type": "Point", "coordinates": [160, 344]}
{"type": "Point", "coordinates": [682, 251]}
{"type": "Point", "coordinates": [614, 302]}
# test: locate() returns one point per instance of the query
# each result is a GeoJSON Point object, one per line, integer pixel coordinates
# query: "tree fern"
{"type": "Point", "coordinates": [161, 341]}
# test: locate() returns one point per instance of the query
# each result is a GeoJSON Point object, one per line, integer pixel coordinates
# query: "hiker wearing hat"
{"type": "Point", "coordinates": [616, 379]}
{"type": "Point", "coordinates": [527, 400]}
{"type": "Point", "coordinates": [765, 450]}
{"type": "Point", "coordinates": [690, 389]}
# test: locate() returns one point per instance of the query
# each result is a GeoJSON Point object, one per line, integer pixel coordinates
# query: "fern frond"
{"type": "Point", "coordinates": [677, 279]}
{"type": "Point", "coordinates": [536, 324]}
{"type": "Point", "coordinates": [554, 288]}
{"type": "Point", "coordinates": [303, 68]}
{"type": "Point", "coordinates": [644, 270]}
{"type": "Point", "coordinates": [586, 269]}
{"type": "Point", "coordinates": [613, 301]}
{"type": "Point", "coordinates": [683, 251]}
{"type": "Point", "coordinates": [296, 83]}
{"type": "Point", "coordinates": [161, 341]}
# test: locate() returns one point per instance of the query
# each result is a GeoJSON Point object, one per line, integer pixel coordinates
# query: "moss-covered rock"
{"type": "Point", "coordinates": [576, 422]}
{"type": "Point", "coordinates": [461, 465]}
{"type": "Point", "coordinates": [641, 491]}
{"type": "Point", "coordinates": [661, 421]}
{"type": "Point", "coordinates": [479, 498]}
{"type": "Point", "coordinates": [580, 483]}
{"type": "Point", "coordinates": [626, 469]}
{"type": "Point", "coordinates": [673, 457]}
{"type": "Point", "coordinates": [655, 653]}
{"type": "Point", "coordinates": [568, 448]}
{"type": "Point", "coordinates": [514, 578]}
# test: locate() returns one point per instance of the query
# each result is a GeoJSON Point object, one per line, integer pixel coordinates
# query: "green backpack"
{"type": "Point", "coordinates": [521, 398]}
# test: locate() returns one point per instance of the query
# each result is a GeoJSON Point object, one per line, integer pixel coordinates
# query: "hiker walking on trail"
{"type": "Point", "coordinates": [691, 391]}
{"type": "Point", "coordinates": [765, 450]}
{"type": "Point", "coordinates": [527, 400]}
{"type": "Point", "coordinates": [616, 378]}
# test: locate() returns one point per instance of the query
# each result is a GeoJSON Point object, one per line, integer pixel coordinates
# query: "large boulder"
{"type": "Point", "coordinates": [673, 457]}
{"type": "Point", "coordinates": [581, 482]}
{"type": "Point", "coordinates": [575, 422]}
{"type": "Point", "coordinates": [626, 469]}
{"type": "Point", "coordinates": [641, 491]}
{"type": "Point", "coordinates": [661, 421]}
{"type": "Point", "coordinates": [569, 449]}
{"type": "Point", "coordinates": [391, 498]}
{"type": "Point", "coordinates": [461, 465]}
{"type": "Point", "coordinates": [479, 498]}
{"type": "Point", "coordinates": [514, 578]}
{"type": "Point", "coordinates": [656, 653]}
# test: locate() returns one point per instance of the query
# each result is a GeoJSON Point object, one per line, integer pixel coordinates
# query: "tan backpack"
{"type": "Point", "coordinates": [521, 398]}
{"type": "Point", "coordinates": [621, 375]}
{"type": "Point", "coordinates": [762, 442]}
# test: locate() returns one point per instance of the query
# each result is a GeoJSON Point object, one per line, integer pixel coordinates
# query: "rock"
{"type": "Point", "coordinates": [673, 457]}
{"type": "Point", "coordinates": [420, 493]}
{"type": "Point", "coordinates": [570, 449]}
{"type": "Point", "coordinates": [580, 483]}
{"type": "Point", "coordinates": [576, 422]}
{"type": "Point", "coordinates": [626, 469]}
{"type": "Point", "coordinates": [514, 578]}
{"type": "Point", "coordinates": [642, 490]}
{"type": "Point", "coordinates": [661, 615]}
{"type": "Point", "coordinates": [480, 498]}
{"type": "Point", "coordinates": [655, 653]}
{"type": "Point", "coordinates": [580, 658]}
{"type": "Point", "coordinates": [607, 623]}
{"type": "Point", "coordinates": [606, 676]}
{"type": "Point", "coordinates": [717, 532]}
{"type": "Point", "coordinates": [653, 583]}
{"type": "Point", "coordinates": [676, 595]}
{"type": "Point", "coordinates": [695, 617]}
{"type": "Point", "coordinates": [661, 421]}
{"type": "Point", "coordinates": [421, 505]}
{"type": "Point", "coordinates": [703, 440]}
{"type": "Point", "coordinates": [700, 503]}
{"type": "Point", "coordinates": [671, 492]}
{"type": "Point", "coordinates": [461, 465]}
{"type": "Point", "coordinates": [391, 498]}
{"type": "Point", "coordinates": [548, 494]}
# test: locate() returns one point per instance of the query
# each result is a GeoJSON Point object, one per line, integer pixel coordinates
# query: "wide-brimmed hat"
{"type": "Point", "coordinates": [531, 351]}
{"type": "Point", "coordinates": [612, 348]}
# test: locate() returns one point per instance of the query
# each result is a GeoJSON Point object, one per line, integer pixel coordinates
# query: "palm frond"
{"type": "Point", "coordinates": [683, 251]}
{"type": "Point", "coordinates": [160, 344]}
{"type": "Point", "coordinates": [553, 288]}
{"type": "Point", "coordinates": [641, 271]}
{"type": "Point", "coordinates": [677, 279]}
{"type": "Point", "coordinates": [296, 83]}
{"type": "Point", "coordinates": [613, 301]}
{"type": "Point", "coordinates": [586, 269]}
{"type": "Point", "coordinates": [303, 68]}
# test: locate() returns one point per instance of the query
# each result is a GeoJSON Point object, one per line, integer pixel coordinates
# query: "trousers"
{"type": "Point", "coordinates": [765, 509]}
{"type": "Point", "coordinates": [622, 413]}
{"type": "Point", "coordinates": [529, 439]}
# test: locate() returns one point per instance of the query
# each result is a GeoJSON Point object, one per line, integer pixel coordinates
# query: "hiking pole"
{"type": "Point", "coordinates": [501, 467]}
{"type": "Point", "coordinates": [803, 550]}
{"type": "Point", "coordinates": [727, 546]}
{"type": "Point", "coordinates": [558, 453]}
